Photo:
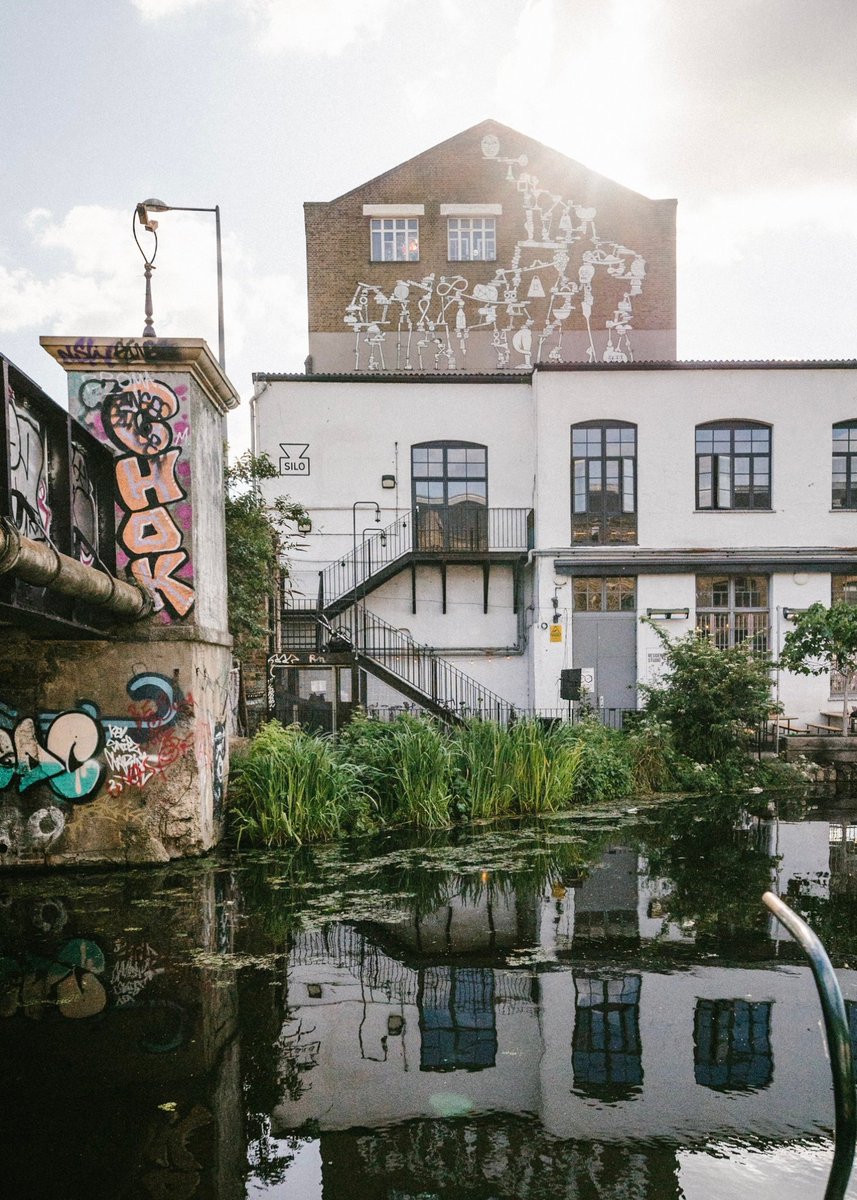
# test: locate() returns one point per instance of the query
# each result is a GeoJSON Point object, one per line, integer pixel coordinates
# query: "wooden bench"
{"type": "Point", "coordinates": [825, 728]}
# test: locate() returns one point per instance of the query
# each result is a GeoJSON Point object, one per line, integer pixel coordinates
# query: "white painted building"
{"type": "Point", "coordinates": [530, 521]}
{"type": "Point", "coordinates": [539, 487]}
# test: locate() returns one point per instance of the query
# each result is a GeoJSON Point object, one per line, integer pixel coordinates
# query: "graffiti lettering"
{"type": "Point", "coordinates": [138, 415]}
{"type": "Point", "coordinates": [28, 475]}
{"type": "Point", "coordinates": [124, 350]}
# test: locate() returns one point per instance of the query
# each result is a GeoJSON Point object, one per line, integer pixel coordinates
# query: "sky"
{"type": "Point", "coordinates": [743, 110]}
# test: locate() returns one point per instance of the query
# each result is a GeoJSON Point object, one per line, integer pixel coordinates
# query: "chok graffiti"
{"type": "Point", "coordinates": [141, 416]}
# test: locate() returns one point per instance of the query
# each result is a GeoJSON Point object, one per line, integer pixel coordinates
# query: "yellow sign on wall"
{"type": "Point", "coordinates": [556, 633]}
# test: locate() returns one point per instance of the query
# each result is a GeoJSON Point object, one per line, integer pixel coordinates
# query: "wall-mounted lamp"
{"type": "Point", "coordinates": [792, 614]}
{"type": "Point", "coordinates": [668, 614]}
{"type": "Point", "coordinates": [388, 481]}
{"type": "Point", "coordinates": [304, 525]}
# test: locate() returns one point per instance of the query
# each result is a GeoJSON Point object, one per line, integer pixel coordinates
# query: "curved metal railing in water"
{"type": "Point", "coordinates": [838, 1042]}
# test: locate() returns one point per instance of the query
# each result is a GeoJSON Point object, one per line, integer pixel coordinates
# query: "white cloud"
{"type": "Point", "coordinates": [321, 28]}
{"type": "Point", "coordinates": [95, 287]}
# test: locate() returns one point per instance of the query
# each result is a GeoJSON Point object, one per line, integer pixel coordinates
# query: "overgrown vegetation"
{"type": "Point", "coordinates": [711, 700]}
{"type": "Point", "coordinates": [824, 639]}
{"type": "Point", "coordinates": [693, 736]}
{"type": "Point", "coordinates": [258, 537]}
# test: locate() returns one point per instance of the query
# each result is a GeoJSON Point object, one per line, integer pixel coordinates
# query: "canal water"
{"type": "Point", "coordinates": [568, 1007]}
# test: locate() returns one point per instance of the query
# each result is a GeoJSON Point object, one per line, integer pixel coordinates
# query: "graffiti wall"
{"type": "Point", "coordinates": [547, 288]}
{"type": "Point", "coordinates": [146, 420]}
{"type": "Point", "coordinates": [51, 762]}
{"type": "Point", "coordinates": [30, 509]}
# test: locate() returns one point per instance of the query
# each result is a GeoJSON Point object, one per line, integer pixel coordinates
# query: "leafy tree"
{"type": "Point", "coordinates": [712, 699]}
{"type": "Point", "coordinates": [259, 536]}
{"type": "Point", "coordinates": [824, 639]}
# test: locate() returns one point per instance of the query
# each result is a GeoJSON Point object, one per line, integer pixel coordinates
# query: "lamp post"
{"type": "Point", "coordinates": [354, 507]}
{"type": "Point", "coordinates": [143, 213]}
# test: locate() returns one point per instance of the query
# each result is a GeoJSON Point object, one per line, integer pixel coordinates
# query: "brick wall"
{"type": "Point", "coordinates": [456, 171]}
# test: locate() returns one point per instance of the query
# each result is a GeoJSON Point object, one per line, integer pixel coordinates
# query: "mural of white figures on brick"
{"type": "Point", "coordinates": [559, 266]}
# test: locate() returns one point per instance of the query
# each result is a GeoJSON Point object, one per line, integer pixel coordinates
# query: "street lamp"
{"type": "Point", "coordinates": [143, 213]}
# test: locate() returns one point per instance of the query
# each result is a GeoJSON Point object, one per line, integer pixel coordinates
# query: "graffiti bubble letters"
{"type": "Point", "coordinates": [138, 416]}
{"type": "Point", "coordinates": [64, 757]}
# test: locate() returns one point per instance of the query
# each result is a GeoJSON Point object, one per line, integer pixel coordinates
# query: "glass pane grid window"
{"type": "Point", "coordinates": [450, 475]}
{"type": "Point", "coordinates": [471, 239]}
{"type": "Point", "coordinates": [733, 466]}
{"type": "Point", "coordinates": [604, 482]}
{"type": "Point", "coordinates": [395, 239]}
{"type": "Point", "coordinates": [843, 590]}
{"type": "Point", "coordinates": [844, 465]}
{"type": "Point", "coordinates": [732, 610]}
{"type": "Point", "coordinates": [604, 593]}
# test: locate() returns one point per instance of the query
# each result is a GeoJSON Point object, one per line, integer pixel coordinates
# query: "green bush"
{"type": "Point", "coordinates": [604, 768]}
{"type": "Point", "coordinates": [292, 787]}
{"type": "Point", "coordinates": [713, 700]}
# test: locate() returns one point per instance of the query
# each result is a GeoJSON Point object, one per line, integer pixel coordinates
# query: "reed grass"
{"type": "Point", "coordinates": [293, 787]}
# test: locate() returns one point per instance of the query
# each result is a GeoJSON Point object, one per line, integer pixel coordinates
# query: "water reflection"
{"type": "Point", "coordinates": [564, 1008]}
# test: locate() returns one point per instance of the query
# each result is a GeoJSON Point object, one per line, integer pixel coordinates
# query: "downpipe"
{"type": "Point", "coordinates": [40, 565]}
{"type": "Point", "coordinates": [838, 1044]}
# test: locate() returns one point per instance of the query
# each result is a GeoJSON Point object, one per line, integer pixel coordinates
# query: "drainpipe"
{"type": "Point", "coordinates": [39, 564]}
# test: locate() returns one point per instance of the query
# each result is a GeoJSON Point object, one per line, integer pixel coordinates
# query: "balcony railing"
{"type": "Point", "coordinates": [427, 530]}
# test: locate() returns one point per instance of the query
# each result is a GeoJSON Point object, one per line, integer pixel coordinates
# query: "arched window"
{"type": "Point", "coordinates": [449, 487]}
{"type": "Point", "coordinates": [603, 482]}
{"type": "Point", "coordinates": [733, 465]}
{"type": "Point", "coordinates": [844, 465]}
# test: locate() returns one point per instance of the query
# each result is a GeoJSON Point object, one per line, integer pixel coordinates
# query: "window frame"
{"type": "Point", "coordinates": [470, 221]}
{"type": "Point", "coordinates": [598, 586]}
{"type": "Point", "coordinates": [731, 610]}
{"type": "Point", "coordinates": [849, 469]}
{"type": "Point", "coordinates": [444, 476]}
{"type": "Point", "coordinates": [759, 497]}
{"type": "Point", "coordinates": [600, 522]}
{"type": "Point", "coordinates": [380, 227]}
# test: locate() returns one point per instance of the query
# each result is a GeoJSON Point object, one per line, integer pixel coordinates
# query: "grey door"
{"type": "Point", "coordinates": [607, 642]}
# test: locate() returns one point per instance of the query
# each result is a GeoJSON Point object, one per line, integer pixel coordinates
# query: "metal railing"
{"type": "Point", "coordinates": [417, 665]}
{"type": "Point", "coordinates": [453, 530]}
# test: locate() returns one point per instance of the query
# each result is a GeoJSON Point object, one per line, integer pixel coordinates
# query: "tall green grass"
{"type": "Point", "coordinates": [293, 787]}
{"type": "Point", "coordinates": [523, 769]}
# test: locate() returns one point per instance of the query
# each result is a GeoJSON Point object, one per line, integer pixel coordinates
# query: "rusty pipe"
{"type": "Point", "coordinates": [40, 565]}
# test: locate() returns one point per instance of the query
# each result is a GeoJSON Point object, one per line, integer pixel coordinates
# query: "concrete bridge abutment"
{"type": "Point", "coordinates": [117, 750]}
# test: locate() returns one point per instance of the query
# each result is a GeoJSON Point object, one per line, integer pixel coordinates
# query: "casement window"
{"type": "Point", "coordinates": [732, 609]}
{"type": "Point", "coordinates": [844, 494]}
{"type": "Point", "coordinates": [471, 239]}
{"type": "Point", "coordinates": [843, 590]}
{"type": "Point", "coordinates": [449, 482]}
{"type": "Point", "coordinates": [395, 239]}
{"type": "Point", "coordinates": [603, 482]}
{"type": "Point", "coordinates": [604, 593]}
{"type": "Point", "coordinates": [733, 465]}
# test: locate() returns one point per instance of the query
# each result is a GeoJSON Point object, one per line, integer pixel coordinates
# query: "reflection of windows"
{"type": "Point", "coordinates": [604, 482]}
{"type": "Point", "coordinates": [471, 239]}
{"type": "Point", "coordinates": [604, 593]}
{"type": "Point", "coordinates": [450, 492]}
{"type": "Point", "coordinates": [844, 465]}
{"type": "Point", "coordinates": [731, 609]}
{"type": "Point", "coordinates": [395, 239]}
{"type": "Point", "coordinates": [732, 1044]}
{"type": "Point", "coordinates": [606, 1053]}
{"type": "Point", "coordinates": [733, 465]}
{"type": "Point", "coordinates": [457, 1023]}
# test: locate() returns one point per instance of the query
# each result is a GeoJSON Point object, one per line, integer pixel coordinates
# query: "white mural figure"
{"type": "Point", "coordinates": [527, 307]}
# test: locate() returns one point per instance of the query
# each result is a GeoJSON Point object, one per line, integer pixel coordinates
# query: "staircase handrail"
{"type": "Point", "coordinates": [425, 670]}
{"type": "Point", "coordinates": [349, 571]}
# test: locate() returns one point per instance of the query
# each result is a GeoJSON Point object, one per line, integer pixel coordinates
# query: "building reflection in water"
{"type": "Point", "coordinates": [732, 1044]}
{"type": "Point", "coordinates": [606, 1050]}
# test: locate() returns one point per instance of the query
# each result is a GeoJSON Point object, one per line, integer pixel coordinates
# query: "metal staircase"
{"type": "Point", "coordinates": [412, 669]}
{"type": "Point", "coordinates": [422, 676]}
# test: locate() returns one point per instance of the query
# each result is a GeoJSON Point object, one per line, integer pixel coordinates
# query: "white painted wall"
{"type": "Point", "coordinates": [353, 431]}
